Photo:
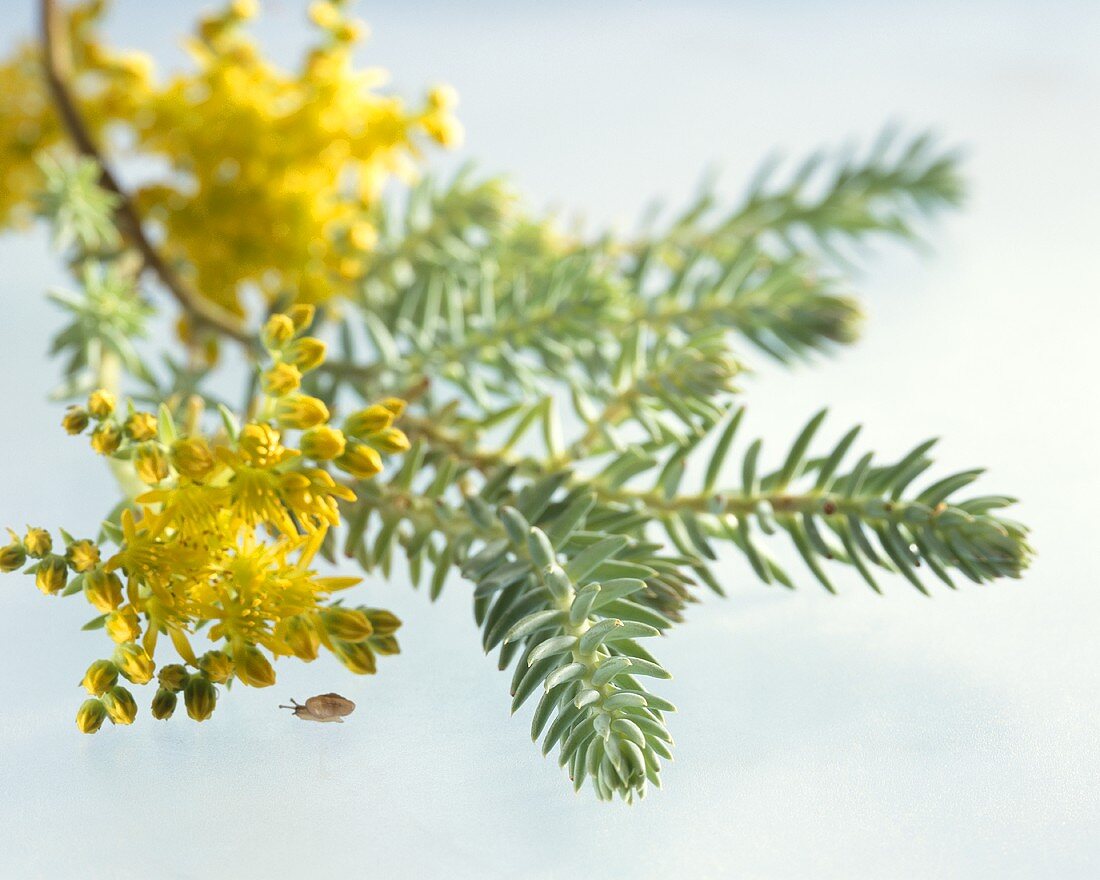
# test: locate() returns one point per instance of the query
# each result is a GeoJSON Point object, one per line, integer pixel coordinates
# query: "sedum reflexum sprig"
{"type": "Point", "coordinates": [563, 412]}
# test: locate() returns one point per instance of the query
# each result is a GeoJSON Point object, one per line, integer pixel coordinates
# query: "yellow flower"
{"type": "Point", "coordinates": [123, 625]}
{"type": "Point", "coordinates": [120, 706]}
{"type": "Point", "coordinates": [253, 668]}
{"type": "Point", "coordinates": [52, 575]}
{"type": "Point", "coordinates": [368, 421]}
{"type": "Point", "coordinates": [101, 676]}
{"type": "Point", "coordinates": [322, 443]}
{"type": "Point", "coordinates": [75, 419]}
{"type": "Point", "coordinates": [101, 404]}
{"type": "Point", "coordinates": [277, 332]}
{"type": "Point", "coordinates": [82, 555]}
{"type": "Point", "coordinates": [307, 353]}
{"type": "Point", "coordinates": [193, 457]}
{"type": "Point", "coordinates": [106, 438]}
{"type": "Point", "coordinates": [103, 589]}
{"type": "Point", "coordinates": [134, 663]}
{"type": "Point", "coordinates": [281, 379]}
{"type": "Point", "coordinates": [360, 461]}
{"type": "Point", "coordinates": [150, 463]}
{"type": "Point", "coordinates": [140, 426]}
{"type": "Point", "coordinates": [346, 624]}
{"type": "Point", "coordinates": [301, 411]}
{"type": "Point", "coordinates": [164, 704]}
{"type": "Point", "coordinates": [199, 696]}
{"type": "Point", "coordinates": [91, 715]}
{"type": "Point", "coordinates": [217, 666]}
{"type": "Point", "coordinates": [37, 542]}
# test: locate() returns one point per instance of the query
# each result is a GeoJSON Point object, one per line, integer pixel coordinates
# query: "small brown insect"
{"type": "Point", "coordinates": [325, 708]}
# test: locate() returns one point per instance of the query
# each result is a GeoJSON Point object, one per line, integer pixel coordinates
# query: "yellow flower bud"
{"type": "Point", "coordinates": [150, 463]}
{"type": "Point", "coordinates": [173, 677]}
{"type": "Point", "coordinates": [82, 556]}
{"type": "Point", "coordinates": [193, 457]}
{"type": "Point", "coordinates": [277, 332]}
{"type": "Point", "coordinates": [301, 316]}
{"type": "Point", "coordinates": [101, 404]}
{"type": "Point", "coordinates": [301, 638]}
{"type": "Point", "coordinates": [363, 236]}
{"type": "Point", "coordinates": [253, 668]}
{"type": "Point", "coordinates": [75, 419]}
{"type": "Point", "coordinates": [356, 656]}
{"type": "Point", "coordinates": [301, 411]}
{"type": "Point", "coordinates": [383, 622]}
{"type": "Point", "coordinates": [322, 443]}
{"type": "Point", "coordinates": [123, 625]}
{"type": "Point", "coordinates": [106, 438]}
{"type": "Point", "coordinates": [390, 440]}
{"type": "Point", "coordinates": [384, 645]}
{"type": "Point", "coordinates": [100, 677]}
{"type": "Point", "coordinates": [260, 444]}
{"type": "Point", "coordinates": [217, 666]}
{"type": "Point", "coordinates": [164, 704]}
{"type": "Point", "coordinates": [395, 405]}
{"type": "Point", "coordinates": [120, 705]}
{"type": "Point", "coordinates": [90, 716]}
{"type": "Point", "coordinates": [307, 353]}
{"type": "Point", "coordinates": [52, 575]}
{"type": "Point", "coordinates": [140, 426]}
{"type": "Point", "coordinates": [281, 379]}
{"type": "Point", "coordinates": [368, 421]}
{"type": "Point", "coordinates": [324, 14]}
{"type": "Point", "coordinates": [12, 556]}
{"type": "Point", "coordinates": [199, 696]}
{"type": "Point", "coordinates": [346, 624]}
{"type": "Point", "coordinates": [442, 97]}
{"type": "Point", "coordinates": [134, 663]}
{"type": "Point", "coordinates": [37, 542]}
{"type": "Point", "coordinates": [103, 589]}
{"type": "Point", "coordinates": [244, 9]}
{"type": "Point", "coordinates": [360, 460]}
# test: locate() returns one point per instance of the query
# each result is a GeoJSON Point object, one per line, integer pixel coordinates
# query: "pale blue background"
{"type": "Point", "coordinates": [856, 736]}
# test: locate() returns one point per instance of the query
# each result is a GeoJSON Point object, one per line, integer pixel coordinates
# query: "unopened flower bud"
{"type": "Point", "coordinates": [140, 426]}
{"type": "Point", "coordinates": [82, 556]}
{"type": "Point", "coordinates": [101, 404]}
{"type": "Point", "coordinates": [383, 622]}
{"type": "Point", "coordinates": [150, 463]}
{"type": "Point", "coordinates": [346, 624]}
{"type": "Point", "coordinates": [301, 316]}
{"type": "Point", "coordinates": [100, 677]}
{"type": "Point", "coordinates": [123, 625]}
{"type": "Point", "coordinates": [322, 443]}
{"type": "Point", "coordinates": [91, 715]}
{"type": "Point", "coordinates": [52, 575]}
{"type": "Point", "coordinates": [307, 353]}
{"type": "Point", "coordinates": [120, 705]}
{"type": "Point", "coordinates": [134, 663]}
{"type": "Point", "coordinates": [13, 555]}
{"type": "Point", "coordinates": [106, 438]}
{"type": "Point", "coordinates": [253, 668]}
{"type": "Point", "coordinates": [199, 696]}
{"type": "Point", "coordinates": [390, 440]}
{"type": "Point", "coordinates": [281, 380]}
{"type": "Point", "coordinates": [360, 460]}
{"type": "Point", "coordinates": [193, 457]}
{"type": "Point", "coordinates": [277, 332]}
{"type": "Point", "coordinates": [356, 656]}
{"type": "Point", "coordinates": [384, 645]}
{"type": "Point", "coordinates": [302, 639]}
{"type": "Point", "coordinates": [75, 419]}
{"type": "Point", "coordinates": [103, 589]}
{"type": "Point", "coordinates": [164, 704]}
{"type": "Point", "coordinates": [260, 444]}
{"type": "Point", "coordinates": [301, 411]}
{"type": "Point", "coordinates": [368, 421]}
{"type": "Point", "coordinates": [37, 542]}
{"type": "Point", "coordinates": [217, 666]}
{"type": "Point", "coordinates": [173, 676]}
{"type": "Point", "coordinates": [395, 405]}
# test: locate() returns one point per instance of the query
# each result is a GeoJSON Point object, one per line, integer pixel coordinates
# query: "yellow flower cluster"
{"type": "Point", "coordinates": [274, 172]}
{"type": "Point", "coordinates": [222, 534]}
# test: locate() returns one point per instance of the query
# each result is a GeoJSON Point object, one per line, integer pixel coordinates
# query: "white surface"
{"type": "Point", "coordinates": [858, 736]}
